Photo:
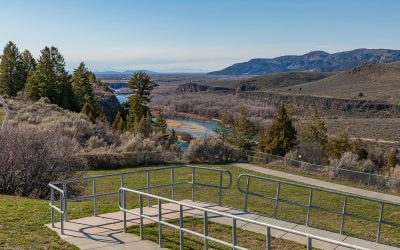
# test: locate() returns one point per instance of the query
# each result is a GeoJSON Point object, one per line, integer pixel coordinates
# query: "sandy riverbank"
{"type": "Point", "coordinates": [190, 127]}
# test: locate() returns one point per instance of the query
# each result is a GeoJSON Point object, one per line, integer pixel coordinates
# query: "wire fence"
{"type": "Point", "coordinates": [369, 179]}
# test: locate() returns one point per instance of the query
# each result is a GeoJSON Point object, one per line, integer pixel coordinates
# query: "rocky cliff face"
{"type": "Point", "coordinates": [108, 103]}
{"type": "Point", "coordinates": [329, 106]}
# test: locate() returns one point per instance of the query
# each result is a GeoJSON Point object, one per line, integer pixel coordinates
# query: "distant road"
{"type": "Point", "coordinates": [376, 140]}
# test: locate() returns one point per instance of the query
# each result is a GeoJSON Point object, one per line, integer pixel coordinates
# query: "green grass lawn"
{"type": "Point", "coordinates": [33, 214]}
{"type": "Point", "coordinates": [247, 239]}
{"type": "Point", "coordinates": [22, 225]}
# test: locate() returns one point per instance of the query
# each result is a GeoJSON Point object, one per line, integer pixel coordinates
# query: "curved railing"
{"type": "Point", "coordinates": [205, 236]}
{"type": "Point", "coordinates": [6, 113]}
{"type": "Point", "coordinates": [309, 206]}
{"type": "Point", "coordinates": [64, 197]}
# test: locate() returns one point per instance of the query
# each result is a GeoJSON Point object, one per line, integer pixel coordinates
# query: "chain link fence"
{"type": "Point", "coordinates": [369, 179]}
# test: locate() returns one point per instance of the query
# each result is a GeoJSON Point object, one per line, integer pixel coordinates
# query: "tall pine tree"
{"type": "Point", "coordinates": [82, 88]}
{"type": "Point", "coordinates": [281, 136]}
{"type": "Point", "coordinates": [50, 79]}
{"type": "Point", "coordinates": [141, 86]}
{"type": "Point", "coordinates": [11, 71]}
{"type": "Point", "coordinates": [28, 64]}
{"type": "Point", "coordinates": [243, 131]}
{"type": "Point", "coordinates": [161, 123]}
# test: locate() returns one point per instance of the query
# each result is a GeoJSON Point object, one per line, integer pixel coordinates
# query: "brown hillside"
{"type": "Point", "coordinates": [369, 81]}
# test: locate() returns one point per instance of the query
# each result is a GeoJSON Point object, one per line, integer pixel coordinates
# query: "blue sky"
{"type": "Point", "coordinates": [200, 36]}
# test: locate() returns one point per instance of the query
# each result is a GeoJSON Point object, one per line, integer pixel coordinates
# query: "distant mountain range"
{"type": "Point", "coordinates": [314, 61]}
{"type": "Point", "coordinates": [121, 74]}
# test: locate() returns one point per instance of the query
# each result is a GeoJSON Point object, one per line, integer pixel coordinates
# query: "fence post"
{"type": "Point", "coordinates": [65, 200]}
{"type": "Point", "coordinates": [277, 201]}
{"type": "Point", "coordinates": [343, 214]}
{"type": "Point", "coordinates": [181, 236]}
{"type": "Point", "coordinates": [378, 233]}
{"type": "Point", "coordinates": [309, 207]}
{"type": "Point", "coordinates": [205, 230]}
{"type": "Point", "coordinates": [61, 213]}
{"type": "Point", "coordinates": [94, 198]}
{"type": "Point", "coordinates": [173, 183]}
{"type": "Point", "coordinates": [148, 188]}
{"type": "Point", "coordinates": [309, 243]}
{"type": "Point", "coordinates": [220, 189]}
{"type": "Point", "coordinates": [193, 181]}
{"type": "Point", "coordinates": [246, 197]}
{"type": "Point", "coordinates": [369, 178]}
{"type": "Point", "coordinates": [141, 216]}
{"type": "Point", "coordinates": [234, 237]}
{"type": "Point", "coordinates": [124, 206]}
{"type": "Point", "coordinates": [52, 204]}
{"type": "Point", "coordinates": [159, 224]}
{"type": "Point", "coordinates": [268, 238]}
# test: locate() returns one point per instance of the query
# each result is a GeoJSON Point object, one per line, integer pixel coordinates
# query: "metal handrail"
{"type": "Point", "coordinates": [53, 207]}
{"type": "Point", "coordinates": [285, 159]}
{"type": "Point", "coordinates": [122, 205]}
{"type": "Point", "coordinates": [221, 185]}
{"type": "Point", "coordinates": [6, 110]}
{"type": "Point", "coordinates": [310, 206]}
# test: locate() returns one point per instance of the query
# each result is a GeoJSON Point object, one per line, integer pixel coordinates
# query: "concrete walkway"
{"type": "Point", "coordinates": [319, 183]}
{"type": "Point", "coordinates": [105, 231]}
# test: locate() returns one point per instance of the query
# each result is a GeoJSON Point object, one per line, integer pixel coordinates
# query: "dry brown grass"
{"type": "Point", "coordinates": [378, 82]}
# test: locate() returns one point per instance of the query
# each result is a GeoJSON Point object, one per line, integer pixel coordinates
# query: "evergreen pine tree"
{"type": "Point", "coordinates": [339, 144]}
{"type": "Point", "coordinates": [81, 87]}
{"type": "Point", "coordinates": [116, 121]}
{"type": "Point", "coordinates": [243, 131]}
{"type": "Point", "coordinates": [50, 79]}
{"type": "Point", "coordinates": [28, 64]}
{"type": "Point", "coordinates": [11, 71]}
{"type": "Point", "coordinates": [315, 130]}
{"type": "Point", "coordinates": [135, 112]}
{"type": "Point", "coordinates": [143, 126]}
{"type": "Point", "coordinates": [88, 111]}
{"type": "Point", "coordinates": [280, 137]}
{"type": "Point", "coordinates": [224, 127]}
{"type": "Point", "coordinates": [141, 86]}
{"type": "Point", "coordinates": [161, 123]}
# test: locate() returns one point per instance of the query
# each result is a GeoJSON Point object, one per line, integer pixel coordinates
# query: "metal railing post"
{"type": "Point", "coordinates": [309, 243]}
{"type": "Point", "coordinates": [52, 208]}
{"type": "Point", "coordinates": [173, 183]}
{"type": "Point", "coordinates": [268, 238]}
{"type": "Point", "coordinates": [205, 230]}
{"type": "Point", "coordinates": [148, 188]}
{"type": "Point", "coordinates": [277, 200]}
{"type": "Point", "coordinates": [181, 236]}
{"type": "Point", "coordinates": [193, 183]}
{"type": "Point", "coordinates": [234, 236]}
{"type": "Point", "coordinates": [220, 189]}
{"type": "Point", "coordinates": [94, 198]}
{"type": "Point", "coordinates": [124, 207]}
{"type": "Point", "coordinates": [246, 197]}
{"type": "Point", "coordinates": [61, 213]}
{"type": "Point", "coordinates": [378, 233]}
{"type": "Point", "coordinates": [309, 207]}
{"type": "Point", "coordinates": [65, 200]}
{"type": "Point", "coordinates": [141, 216]}
{"type": "Point", "coordinates": [159, 223]}
{"type": "Point", "coordinates": [343, 214]}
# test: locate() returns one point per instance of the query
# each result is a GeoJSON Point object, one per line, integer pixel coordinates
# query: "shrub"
{"type": "Point", "coordinates": [310, 152]}
{"type": "Point", "coordinates": [30, 158]}
{"type": "Point", "coordinates": [211, 150]}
